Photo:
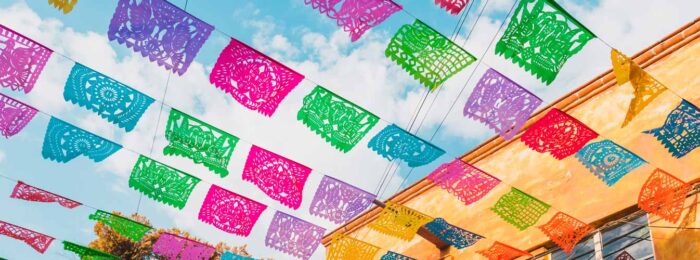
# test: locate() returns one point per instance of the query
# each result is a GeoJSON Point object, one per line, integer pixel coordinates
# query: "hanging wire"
{"type": "Point", "coordinates": [481, 13]}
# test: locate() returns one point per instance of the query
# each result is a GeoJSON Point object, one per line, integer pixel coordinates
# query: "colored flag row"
{"type": "Point", "coordinates": [339, 121]}
{"type": "Point", "coordinates": [169, 245]}
{"type": "Point", "coordinates": [663, 195]}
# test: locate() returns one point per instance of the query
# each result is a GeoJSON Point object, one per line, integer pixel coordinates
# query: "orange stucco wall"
{"type": "Point", "coordinates": [566, 184]}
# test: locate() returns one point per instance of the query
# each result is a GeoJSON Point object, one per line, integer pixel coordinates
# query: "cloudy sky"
{"type": "Point", "coordinates": [307, 42]}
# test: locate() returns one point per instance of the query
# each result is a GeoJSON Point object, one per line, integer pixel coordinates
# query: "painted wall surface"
{"type": "Point", "coordinates": [678, 243]}
{"type": "Point", "coordinates": [567, 185]}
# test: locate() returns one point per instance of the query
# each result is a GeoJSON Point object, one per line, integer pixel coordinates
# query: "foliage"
{"type": "Point", "coordinates": [114, 243]}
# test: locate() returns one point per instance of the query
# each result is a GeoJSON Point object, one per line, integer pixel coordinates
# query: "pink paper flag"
{"type": "Point", "coordinates": [356, 16]}
{"type": "Point", "coordinates": [36, 240]}
{"type": "Point", "coordinates": [465, 181]}
{"type": "Point", "coordinates": [229, 211]}
{"type": "Point", "coordinates": [174, 247]}
{"type": "Point", "coordinates": [280, 178]}
{"type": "Point", "coordinates": [256, 81]}
{"type": "Point", "coordinates": [24, 191]}
{"type": "Point", "coordinates": [14, 115]}
{"type": "Point", "coordinates": [21, 60]}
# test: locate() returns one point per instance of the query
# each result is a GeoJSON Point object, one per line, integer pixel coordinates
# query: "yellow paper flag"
{"type": "Point", "coordinates": [646, 88]}
{"type": "Point", "coordinates": [399, 221]}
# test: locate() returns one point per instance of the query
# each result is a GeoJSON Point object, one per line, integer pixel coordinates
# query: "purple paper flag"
{"type": "Point", "coordinates": [501, 104]}
{"type": "Point", "coordinates": [174, 247]}
{"type": "Point", "coordinates": [338, 201]}
{"type": "Point", "coordinates": [293, 236]}
{"type": "Point", "coordinates": [160, 31]}
{"type": "Point", "coordinates": [21, 60]}
{"type": "Point", "coordinates": [14, 115]}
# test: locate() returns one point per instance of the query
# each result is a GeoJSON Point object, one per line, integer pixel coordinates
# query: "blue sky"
{"type": "Point", "coordinates": [306, 41]}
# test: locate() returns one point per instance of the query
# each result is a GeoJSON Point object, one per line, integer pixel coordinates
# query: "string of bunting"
{"type": "Point", "coordinates": [552, 134]}
{"type": "Point", "coordinates": [168, 245]}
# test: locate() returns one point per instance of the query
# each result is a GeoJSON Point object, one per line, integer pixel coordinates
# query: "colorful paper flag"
{"type": "Point", "coordinates": [565, 231]}
{"type": "Point", "coordinates": [646, 87]}
{"type": "Point", "coordinates": [293, 236]}
{"type": "Point", "coordinates": [27, 192]}
{"type": "Point", "coordinates": [356, 16]}
{"type": "Point", "coordinates": [395, 143]}
{"type": "Point", "coordinates": [280, 178]}
{"type": "Point", "coordinates": [541, 37]}
{"type": "Point", "coordinates": [451, 234]}
{"type": "Point", "coordinates": [452, 6]}
{"type": "Point", "coordinates": [63, 5]}
{"type": "Point", "coordinates": [14, 115]}
{"type": "Point", "coordinates": [608, 161]}
{"type": "Point", "coordinates": [21, 60]}
{"type": "Point", "coordinates": [663, 195]}
{"type": "Point", "coordinates": [624, 256]}
{"type": "Point", "coordinates": [36, 240]}
{"type": "Point", "coordinates": [343, 247]}
{"type": "Point", "coordinates": [680, 134]}
{"type": "Point", "coordinates": [64, 142]}
{"type": "Point", "coordinates": [87, 253]}
{"type": "Point", "coordinates": [232, 256]}
{"type": "Point", "coordinates": [254, 80]}
{"type": "Point", "coordinates": [519, 209]}
{"type": "Point", "coordinates": [160, 31]}
{"type": "Point", "coordinates": [338, 201]}
{"type": "Point", "coordinates": [501, 104]}
{"type": "Point", "coordinates": [557, 133]}
{"type": "Point", "coordinates": [229, 211]}
{"type": "Point", "coordinates": [162, 182]}
{"type": "Point", "coordinates": [395, 256]}
{"type": "Point", "coordinates": [205, 144]}
{"type": "Point", "coordinates": [399, 221]}
{"type": "Point", "coordinates": [110, 99]}
{"type": "Point", "coordinates": [124, 226]}
{"type": "Point", "coordinates": [468, 183]}
{"type": "Point", "coordinates": [174, 247]}
{"type": "Point", "coordinates": [340, 122]}
{"type": "Point", "coordinates": [500, 251]}
{"type": "Point", "coordinates": [427, 55]}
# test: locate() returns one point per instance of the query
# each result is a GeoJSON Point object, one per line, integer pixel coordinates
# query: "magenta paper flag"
{"type": "Point", "coordinates": [174, 247]}
{"type": "Point", "coordinates": [27, 192]}
{"type": "Point", "coordinates": [21, 60]}
{"type": "Point", "coordinates": [36, 240]}
{"type": "Point", "coordinates": [256, 81]}
{"type": "Point", "coordinates": [293, 236]}
{"type": "Point", "coordinates": [453, 6]}
{"type": "Point", "coordinates": [338, 201]}
{"type": "Point", "coordinates": [463, 180]}
{"type": "Point", "coordinates": [280, 178]}
{"type": "Point", "coordinates": [356, 16]}
{"type": "Point", "coordinates": [229, 211]}
{"type": "Point", "coordinates": [501, 104]}
{"type": "Point", "coordinates": [14, 115]}
{"type": "Point", "coordinates": [160, 31]}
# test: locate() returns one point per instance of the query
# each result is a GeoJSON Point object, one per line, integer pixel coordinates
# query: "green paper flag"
{"type": "Point", "coordinates": [124, 226]}
{"type": "Point", "coordinates": [87, 253]}
{"type": "Point", "coordinates": [340, 122]}
{"type": "Point", "coordinates": [519, 209]}
{"type": "Point", "coordinates": [162, 182]}
{"type": "Point", "coordinates": [426, 54]}
{"type": "Point", "coordinates": [541, 37]}
{"type": "Point", "coordinates": [204, 144]}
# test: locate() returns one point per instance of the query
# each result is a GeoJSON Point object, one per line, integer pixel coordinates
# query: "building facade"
{"type": "Point", "coordinates": [566, 184]}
